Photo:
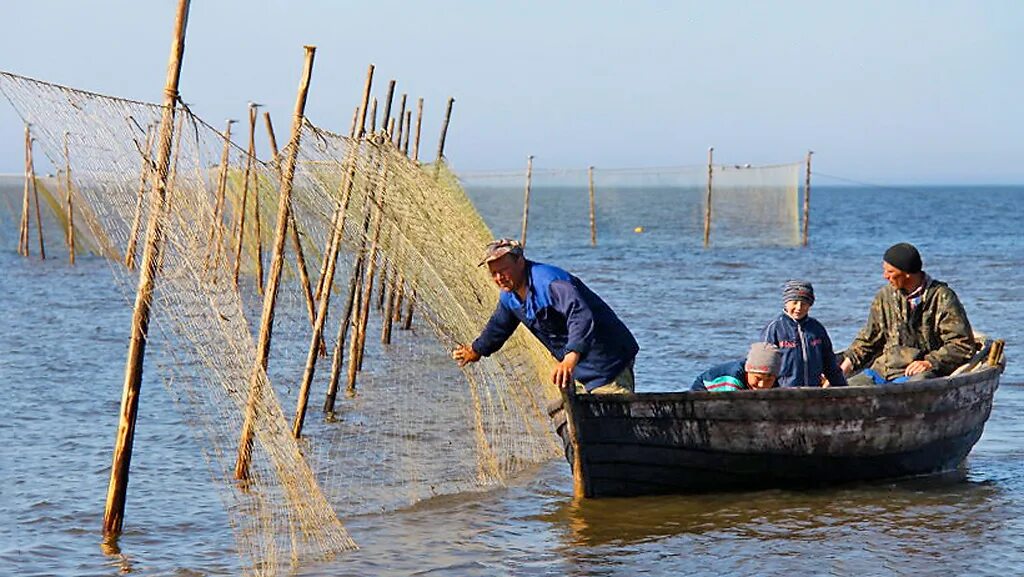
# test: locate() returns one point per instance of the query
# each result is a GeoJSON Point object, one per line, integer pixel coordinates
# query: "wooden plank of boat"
{"type": "Point", "coordinates": [652, 443]}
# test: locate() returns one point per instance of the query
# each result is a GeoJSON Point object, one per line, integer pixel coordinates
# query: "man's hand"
{"type": "Point", "coordinates": [464, 355]}
{"type": "Point", "coordinates": [562, 373]}
{"type": "Point", "coordinates": [846, 366]}
{"type": "Point", "coordinates": [918, 367]}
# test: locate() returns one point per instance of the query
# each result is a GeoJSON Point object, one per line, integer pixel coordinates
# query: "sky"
{"type": "Point", "coordinates": [908, 92]}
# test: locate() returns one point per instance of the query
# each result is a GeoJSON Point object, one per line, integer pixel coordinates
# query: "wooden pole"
{"type": "Point", "coordinates": [316, 343]}
{"type": "Point", "coordinates": [385, 123]}
{"type": "Point", "coordinates": [579, 486]}
{"type": "Point", "coordinates": [71, 212]}
{"type": "Point", "coordinates": [239, 238]}
{"type": "Point", "coordinates": [217, 230]}
{"type": "Point", "coordinates": [444, 130]}
{"type": "Point", "coordinates": [526, 199]}
{"type": "Point", "coordinates": [300, 257]}
{"type": "Point", "coordinates": [406, 131]}
{"type": "Point", "coordinates": [373, 115]}
{"type": "Point", "coordinates": [35, 197]}
{"type": "Point", "coordinates": [807, 198]}
{"type": "Point", "coordinates": [145, 170]}
{"type": "Point", "coordinates": [346, 319]}
{"type": "Point", "coordinates": [26, 201]}
{"type": "Point", "coordinates": [276, 264]}
{"type": "Point", "coordinates": [400, 123]}
{"type": "Point", "coordinates": [113, 516]}
{"type": "Point", "coordinates": [707, 201]}
{"type": "Point", "coordinates": [257, 213]}
{"type": "Point", "coordinates": [593, 217]}
{"type": "Point", "coordinates": [419, 124]}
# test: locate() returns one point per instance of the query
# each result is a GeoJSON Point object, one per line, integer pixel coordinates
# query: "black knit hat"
{"type": "Point", "coordinates": [904, 256]}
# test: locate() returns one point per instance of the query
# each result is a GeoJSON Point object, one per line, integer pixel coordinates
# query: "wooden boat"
{"type": "Point", "coordinates": [649, 443]}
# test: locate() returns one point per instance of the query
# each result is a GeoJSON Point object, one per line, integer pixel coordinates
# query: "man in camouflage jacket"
{"type": "Point", "coordinates": [916, 329]}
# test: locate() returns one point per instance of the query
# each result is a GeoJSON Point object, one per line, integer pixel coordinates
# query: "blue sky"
{"type": "Point", "coordinates": [885, 92]}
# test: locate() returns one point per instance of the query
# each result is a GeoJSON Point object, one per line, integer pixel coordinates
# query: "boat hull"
{"type": "Point", "coordinates": [654, 443]}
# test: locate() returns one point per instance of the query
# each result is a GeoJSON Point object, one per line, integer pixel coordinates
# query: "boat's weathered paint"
{"type": "Point", "coordinates": [697, 441]}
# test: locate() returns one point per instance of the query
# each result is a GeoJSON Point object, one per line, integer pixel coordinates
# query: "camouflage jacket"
{"type": "Point", "coordinates": [937, 330]}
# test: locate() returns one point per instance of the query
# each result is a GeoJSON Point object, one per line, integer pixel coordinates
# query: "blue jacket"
{"type": "Point", "coordinates": [565, 316]}
{"type": "Point", "coordinates": [806, 352]}
{"type": "Point", "coordinates": [729, 376]}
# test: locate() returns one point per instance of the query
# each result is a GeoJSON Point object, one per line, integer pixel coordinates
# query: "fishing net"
{"type": "Point", "coordinates": [750, 205]}
{"type": "Point", "coordinates": [388, 262]}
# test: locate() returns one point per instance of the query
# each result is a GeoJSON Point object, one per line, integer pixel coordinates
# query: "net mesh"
{"type": "Point", "coordinates": [750, 205]}
{"type": "Point", "coordinates": [393, 244]}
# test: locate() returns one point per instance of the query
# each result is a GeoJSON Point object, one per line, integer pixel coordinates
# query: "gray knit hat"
{"type": "Point", "coordinates": [798, 290]}
{"type": "Point", "coordinates": [763, 358]}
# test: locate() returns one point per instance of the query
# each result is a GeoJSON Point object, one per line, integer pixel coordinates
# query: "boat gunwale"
{"type": "Point", "coordinates": [934, 385]}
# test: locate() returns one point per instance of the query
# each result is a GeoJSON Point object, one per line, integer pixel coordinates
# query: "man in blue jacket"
{"type": "Point", "coordinates": [593, 347]}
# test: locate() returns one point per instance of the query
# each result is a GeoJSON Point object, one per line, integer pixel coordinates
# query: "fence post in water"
{"type": "Point", "coordinates": [526, 199]}
{"type": "Point", "coordinates": [593, 218]}
{"type": "Point", "coordinates": [274, 279]}
{"type": "Point", "coordinates": [337, 356]}
{"type": "Point", "coordinates": [217, 228]}
{"type": "Point", "coordinates": [405, 132]}
{"type": "Point", "coordinates": [257, 219]}
{"type": "Point", "coordinates": [444, 133]}
{"type": "Point", "coordinates": [113, 515]}
{"type": "Point", "coordinates": [707, 202]}
{"type": "Point", "coordinates": [239, 239]}
{"type": "Point", "coordinates": [300, 258]}
{"type": "Point", "coordinates": [35, 197]}
{"type": "Point", "coordinates": [145, 170]}
{"type": "Point", "coordinates": [807, 197]}
{"type": "Point", "coordinates": [26, 201]}
{"type": "Point", "coordinates": [385, 124]}
{"type": "Point", "coordinates": [419, 124]}
{"type": "Point", "coordinates": [71, 212]}
{"type": "Point", "coordinates": [331, 257]}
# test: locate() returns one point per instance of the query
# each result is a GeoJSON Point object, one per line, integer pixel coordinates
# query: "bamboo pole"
{"type": "Point", "coordinates": [316, 343]}
{"type": "Point", "coordinates": [257, 216]}
{"type": "Point", "coordinates": [35, 196]}
{"type": "Point", "coordinates": [807, 198]}
{"type": "Point", "coordinates": [339, 344]}
{"type": "Point", "coordinates": [400, 122]}
{"type": "Point", "coordinates": [359, 337]}
{"type": "Point", "coordinates": [593, 218]}
{"type": "Point", "coordinates": [71, 212]}
{"type": "Point", "coordinates": [419, 124]}
{"type": "Point", "coordinates": [26, 201]}
{"type": "Point", "coordinates": [240, 233]}
{"type": "Point", "coordinates": [217, 230]}
{"type": "Point", "coordinates": [526, 199]}
{"type": "Point", "coordinates": [300, 257]}
{"type": "Point", "coordinates": [385, 123]}
{"type": "Point", "coordinates": [276, 264]}
{"type": "Point", "coordinates": [113, 516]}
{"type": "Point", "coordinates": [144, 172]}
{"type": "Point", "coordinates": [707, 202]}
{"type": "Point", "coordinates": [444, 130]}
{"type": "Point", "coordinates": [405, 132]}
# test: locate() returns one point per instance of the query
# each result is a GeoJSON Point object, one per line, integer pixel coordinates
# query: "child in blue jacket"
{"type": "Point", "coordinates": [804, 343]}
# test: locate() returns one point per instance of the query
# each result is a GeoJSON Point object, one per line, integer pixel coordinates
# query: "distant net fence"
{"type": "Point", "coordinates": [750, 205]}
{"type": "Point", "coordinates": [389, 250]}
